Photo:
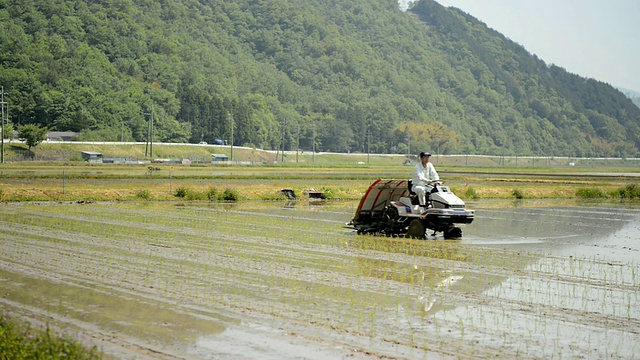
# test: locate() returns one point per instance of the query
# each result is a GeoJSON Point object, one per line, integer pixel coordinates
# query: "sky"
{"type": "Point", "coordinates": [597, 39]}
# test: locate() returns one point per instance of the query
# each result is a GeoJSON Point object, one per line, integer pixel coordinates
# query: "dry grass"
{"type": "Point", "coordinates": [128, 189]}
{"type": "Point", "coordinates": [41, 181]}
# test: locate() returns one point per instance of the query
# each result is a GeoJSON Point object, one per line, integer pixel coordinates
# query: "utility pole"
{"type": "Point", "coordinates": [146, 144]}
{"type": "Point", "coordinates": [284, 126]}
{"type": "Point", "coordinates": [232, 123]}
{"type": "Point", "coordinates": [2, 103]}
{"type": "Point", "coordinates": [466, 156]}
{"type": "Point", "coordinates": [313, 145]}
{"type": "Point", "coordinates": [409, 145]}
{"type": "Point", "coordinates": [151, 147]}
{"type": "Point", "coordinates": [148, 150]}
{"type": "Point", "coordinates": [368, 147]}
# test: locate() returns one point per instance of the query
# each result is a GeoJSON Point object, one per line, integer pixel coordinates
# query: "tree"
{"type": "Point", "coordinates": [32, 134]}
{"type": "Point", "coordinates": [358, 67]}
{"type": "Point", "coordinates": [434, 135]}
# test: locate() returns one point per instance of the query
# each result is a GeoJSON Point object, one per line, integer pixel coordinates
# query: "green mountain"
{"type": "Point", "coordinates": [347, 75]}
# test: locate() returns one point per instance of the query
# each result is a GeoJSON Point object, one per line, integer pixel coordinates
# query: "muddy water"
{"type": "Point", "coordinates": [579, 231]}
{"type": "Point", "coordinates": [288, 281]}
{"type": "Point", "coordinates": [585, 284]}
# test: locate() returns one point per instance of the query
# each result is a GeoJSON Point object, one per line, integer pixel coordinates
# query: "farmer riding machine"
{"type": "Point", "coordinates": [390, 208]}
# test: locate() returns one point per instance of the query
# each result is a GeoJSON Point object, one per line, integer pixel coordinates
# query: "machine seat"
{"type": "Point", "coordinates": [412, 195]}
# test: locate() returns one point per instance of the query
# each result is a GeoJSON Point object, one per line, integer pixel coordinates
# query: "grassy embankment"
{"type": "Point", "coordinates": [343, 176]}
{"type": "Point", "coordinates": [21, 342]}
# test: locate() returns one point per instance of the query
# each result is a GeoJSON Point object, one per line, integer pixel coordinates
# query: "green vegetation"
{"type": "Point", "coordinates": [470, 193]}
{"type": "Point", "coordinates": [36, 181]}
{"type": "Point", "coordinates": [21, 342]}
{"type": "Point", "coordinates": [328, 193]}
{"type": "Point", "coordinates": [590, 193]}
{"type": "Point", "coordinates": [517, 194]}
{"type": "Point", "coordinates": [210, 194]}
{"type": "Point", "coordinates": [182, 192]}
{"type": "Point", "coordinates": [32, 135]}
{"type": "Point", "coordinates": [300, 268]}
{"type": "Point", "coordinates": [631, 191]}
{"type": "Point", "coordinates": [285, 74]}
{"type": "Point", "coordinates": [143, 194]}
{"type": "Point", "coordinates": [230, 195]}
{"type": "Point", "coordinates": [628, 192]}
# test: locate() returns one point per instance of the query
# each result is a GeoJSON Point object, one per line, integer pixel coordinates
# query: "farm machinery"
{"type": "Point", "coordinates": [390, 208]}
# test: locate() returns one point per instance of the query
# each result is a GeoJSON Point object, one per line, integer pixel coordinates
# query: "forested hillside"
{"type": "Point", "coordinates": [349, 75]}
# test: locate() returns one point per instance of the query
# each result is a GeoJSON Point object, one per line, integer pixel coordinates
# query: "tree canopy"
{"type": "Point", "coordinates": [325, 74]}
{"type": "Point", "coordinates": [32, 135]}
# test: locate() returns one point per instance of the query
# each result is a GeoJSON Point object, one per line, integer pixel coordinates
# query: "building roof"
{"type": "Point", "coordinates": [61, 134]}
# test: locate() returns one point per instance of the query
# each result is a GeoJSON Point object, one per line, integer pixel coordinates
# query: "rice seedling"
{"type": "Point", "coordinates": [300, 266]}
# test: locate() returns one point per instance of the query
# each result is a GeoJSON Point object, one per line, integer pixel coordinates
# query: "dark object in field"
{"type": "Point", "coordinates": [289, 194]}
{"type": "Point", "coordinates": [316, 195]}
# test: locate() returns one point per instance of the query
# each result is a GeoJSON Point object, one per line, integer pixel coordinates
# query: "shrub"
{"type": "Point", "coordinates": [212, 194]}
{"type": "Point", "coordinates": [182, 192]}
{"type": "Point", "coordinates": [230, 195]}
{"type": "Point", "coordinates": [471, 193]}
{"type": "Point", "coordinates": [273, 196]}
{"type": "Point", "coordinates": [590, 193]}
{"type": "Point", "coordinates": [144, 194]}
{"type": "Point", "coordinates": [630, 192]}
{"type": "Point", "coordinates": [76, 157]}
{"type": "Point", "coordinates": [517, 194]}
{"type": "Point", "coordinates": [190, 194]}
{"type": "Point", "coordinates": [327, 193]}
{"type": "Point", "coordinates": [195, 195]}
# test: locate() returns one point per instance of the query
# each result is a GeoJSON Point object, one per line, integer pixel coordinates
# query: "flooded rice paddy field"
{"type": "Point", "coordinates": [272, 280]}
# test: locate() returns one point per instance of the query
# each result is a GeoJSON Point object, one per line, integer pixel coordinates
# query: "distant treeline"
{"type": "Point", "coordinates": [334, 75]}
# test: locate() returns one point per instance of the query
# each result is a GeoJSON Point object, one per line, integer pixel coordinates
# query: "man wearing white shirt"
{"type": "Point", "coordinates": [423, 175]}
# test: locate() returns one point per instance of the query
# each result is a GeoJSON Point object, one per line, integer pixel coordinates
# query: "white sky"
{"type": "Point", "coordinates": [597, 39]}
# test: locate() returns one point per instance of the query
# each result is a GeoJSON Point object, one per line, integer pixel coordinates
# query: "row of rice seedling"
{"type": "Point", "coordinates": [301, 266]}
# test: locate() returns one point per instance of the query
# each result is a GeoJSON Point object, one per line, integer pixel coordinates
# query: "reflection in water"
{"type": "Point", "coordinates": [434, 282]}
{"type": "Point", "coordinates": [429, 301]}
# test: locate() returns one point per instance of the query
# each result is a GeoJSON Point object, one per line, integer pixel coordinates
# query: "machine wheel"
{"type": "Point", "coordinates": [416, 230]}
{"type": "Point", "coordinates": [391, 213]}
{"type": "Point", "coordinates": [453, 233]}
